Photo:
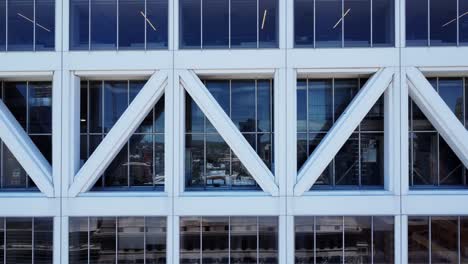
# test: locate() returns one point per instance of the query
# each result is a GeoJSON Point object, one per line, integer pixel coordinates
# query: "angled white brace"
{"type": "Point", "coordinates": [119, 134]}
{"type": "Point", "coordinates": [342, 129]}
{"type": "Point", "coordinates": [25, 151]}
{"type": "Point", "coordinates": [229, 131]}
{"type": "Point", "coordinates": [438, 113]}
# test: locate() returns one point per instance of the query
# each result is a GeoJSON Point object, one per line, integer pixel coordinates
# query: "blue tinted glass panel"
{"type": "Point", "coordinates": [220, 91]}
{"type": "Point", "coordinates": [217, 161]}
{"type": "Point", "coordinates": [327, 175]}
{"type": "Point", "coordinates": [131, 24]}
{"type": "Point", "coordinates": [347, 162]}
{"type": "Point", "coordinates": [141, 160]}
{"type": "Point", "coordinates": [103, 24]}
{"type": "Point", "coordinates": [357, 23]}
{"type": "Point", "coordinates": [424, 158]}
{"type": "Point", "coordinates": [451, 169]}
{"type": "Point", "coordinates": [320, 98]}
{"type": "Point", "coordinates": [195, 121]}
{"type": "Point", "coordinates": [264, 106]}
{"type": "Point", "coordinates": [190, 23]}
{"type": "Point", "coordinates": [372, 159]}
{"type": "Point", "coordinates": [115, 102]}
{"type": "Point", "coordinates": [443, 22]}
{"type": "Point", "coordinates": [14, 175]}
{"type": "Point", "coordinates": [79, 24]}
{"type": "Point", "coordinates": [301, 149]}
{"type": "Point", "coordinates": [40, 107]}
{"type": "Point", "coordinates": [304, 23]}
{"type": "Point", "coordinates": [194, 160]}
{"type": "Point", "coordinates": [416, 23]}
{"type": "Point", "coordinates": [301, 106]}
{"type": "Point", "coordinates": [157, 24]}
{"type": "Point", "coordinates": [268, 23]}
{"type": "Point", "coordinates": [95, 107]}
{"type": "Point", "coordinates": [159, 159]}
{"type": "Point", "coordinates": [243, 23]}
{"type": "Point", "coordinates": [15, 98]}
{"type": "Point", "coordinates": [463, 21]}
{"type": "Point", "coordinates": [215, 24]}
{"type": "Point", "coordinates": [116, 174]}
{"type": "Point", "coordinates": [243, 105]}
{"type": "Point", "coordinates": [20, 25]}
{"type": "Point", "coordinates": [2, 25]}
{"type": "Point", "coordinates": [451, 91]}
{"type": "Point", "coordinates": [345, 90]}
{"type": "Point", "coordinates": [383, 23]}
{"type": "Point", "coordinates": [45, 24]}
{"type": "Point", "coordinates": [328, 26]}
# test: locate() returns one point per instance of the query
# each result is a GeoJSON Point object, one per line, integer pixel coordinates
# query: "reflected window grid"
{"type": "Point", "coordinates": [187, 255]}
{"type": "Point", "coordinates": [413, 132]}
{"type": "Point", "coordinates": [256, 134]}
{"type": "Point", "coordinates": [357, 134]}
{"type": "Point", "coordinates": [260, 25]}
{"type": "Point", "coordinates": [157, 184]}
{"type": "Point", "coordinates": [458, 21]}
{"type": "Point", "coordinates": [39, 41]}
{"type": "Point", "coordinates": [46, 148]}
{"type": "Point", "coordinates": [431, 256]}
{"type": "Point", "coordinates": [309, 224]}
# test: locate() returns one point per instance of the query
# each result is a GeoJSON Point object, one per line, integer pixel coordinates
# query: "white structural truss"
{"type": "Point", "coordinates": [398, 73]}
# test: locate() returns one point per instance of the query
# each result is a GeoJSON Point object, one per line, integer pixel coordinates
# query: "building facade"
{"type": "Point", "coordinates": [234, 131]}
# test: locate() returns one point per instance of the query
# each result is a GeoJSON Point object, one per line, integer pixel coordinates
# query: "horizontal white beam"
{"type": "Point", "coordinates": [228, 131]}
{"type": "Point", "coordinates": [119, 134]}
{"type": "Point", "coordinates": [25, 151]}
{"type": "Point", "coordinates": [342, 129]}
{"type": "Point", "coordinates": [438, 113]}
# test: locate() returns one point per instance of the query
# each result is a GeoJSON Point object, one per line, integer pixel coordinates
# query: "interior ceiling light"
{"type": "Point", "coordinates": [264, 18]}
{"type": "Point", "coordinates": [455, 19]}
{"type": "Point", "coordinates": [32, 21]}
{"type": "Point", "coordinates": [148, 21]}
{"type": "Point", "coordinates": [341, 19]}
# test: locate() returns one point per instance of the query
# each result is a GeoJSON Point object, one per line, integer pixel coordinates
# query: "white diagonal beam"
{"type": "Point", "coordinates": [342, 129]}
{"type": "Point", "coordinates": [438, 113]}
{"type": "Point", "coordinates": [229, 131]}
{"type": "Point", "coordinates": [119, 134]}
{"type": "Point", "coordinates": [25, 151]}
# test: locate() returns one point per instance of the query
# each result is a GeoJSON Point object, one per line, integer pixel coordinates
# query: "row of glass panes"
{"type": "Point", "coordinates": [118, 24]}
{"type": "Point", "coordinates": [436, 22]}
{"type": "Point", "coordinates": [117, 240]}
{"type": "Point", "coordinates": [360, 162]}
{"type": "Point", "coordinates": [26, 240]}
{"type": "Point", "coordinates": [241, 239]}
{"type": "Point", "coordinates": [228, 24]}
{"type": "Point", "coordinates": [348, 239]}
{"type": "Point", "coordinates": [31, 105]}
{"type": "Point", "coordinates": [437, 239]}
{"type": "Point", "coordinates": [431, 161]}
{"type": "Point", "coordinates": [210, 163]}
{"type": "Point", "coordinates": [140, 163]}
{"type": "Point", "coordinates": [344, 23]}
{"type": "Point", "coordinates": [27, 25]}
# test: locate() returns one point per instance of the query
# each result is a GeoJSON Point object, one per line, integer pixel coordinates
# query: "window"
{"type": "Point", "coordinates": [360, 162]}
{"type": "Point", "coordinates": [27, 25]}
{"type": "Point", "coordinates": [436, 22]}
{"type": "Point", "coordinates": [209, 162]}
{"type": "Point", "coordinates": [117, 240]}
{"type": "Point", "coordinates": [348, 239]}
{"type": "Point", "coordinates": [209, 24]}
{"type": "Point", "coordinates": [432, 162]}
{"type": "Point", "coordinates": [31, 105]}
{"type": "Point", "coordinates": [437, 239]}
{"type": "Point", "coordinates": [235, 239]}
{"type": "Point", "coordinates": [122, 25]}
{"type": "Point", "coordinates": [344, 23]}
{"type": "Point", "coordinates": [23, 240]}
{"type": "Point", "coordinates": [140, 163]}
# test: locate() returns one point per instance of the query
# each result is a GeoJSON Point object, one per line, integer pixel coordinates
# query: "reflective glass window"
{"type": "Point", "coordinates": [383, 238]}
{"type": "Point", "coordinates": [243, 24]}
{"type": "Point", "coordinates": [190, 24]}
{"type": "Point", "coordinates": [357, 23]}
{"type": "Point", "coordinates": [443, 22]}
{"type": "Point", "coordinates": [19, 239]}
{"type": "Point", "coordinates": [418, 240]}
{"type": "Point", "coordinates": [103, 24]}
{"type": "Point", "coordinates": [444, 239]}
{"type": "Point", "coordinates": [304, 23]}
{"type": "Point", "coordinates": [268, 23]}
{"type": "Point", "coordinates": [243, 240]}
{"type": "Point", "coordinates": [463, 239]}
{"type": "Point", "coordinates": [131, 24]}
{"type": "Point", "coordinates": [383, 23]}
{"type": "Point", "coordinates": [2, 25]}
{"type": "Point", "coordinates": [328, 28]}
{"type": "Point", "coordinates": [79, 24]}
{"type": "Point", "coordinates": [329, 239]}
{"type": "Point", "coordinates": [358, 239]}
{"type": "Point", "coordinates": [215, 24]}
{"type": "Point", "coordinates": [463, 21]}
{"type": "Point", "coordinates": [20, 25]}
{"type": "Point", "coordinates": [417, 23]}
{"type": "Point", "coordinates": [157, 24]}
{"type": "Point", "coordinates": [45, 24]}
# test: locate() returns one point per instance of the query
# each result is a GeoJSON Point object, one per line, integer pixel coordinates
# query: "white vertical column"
{"type": "Point", "coordinates": [178, 134]}
{"type": "Point", "coordinates": [57, 241]}
{"type": "Point", "coordinates": [62, 25]}
{"type": "Point", "coordinates": [61, 242]}
{"type": "Point", "coordinates": [280, 129]}
{"type": "Point", "coordinates": [289, 23]}
{"type": "Point", "coordinates": [57, 132]}
{"type": "Point", "coordinates": [288, 238]}
{"type": "Point", "coordinates": [404, 136]}
{"type": "Point", "coordinates": [401, 239]}
{"type": "Point", "coordinates": [291, 131]}
{"type": "Point", "coordinates": [170, 239]}
{"type": "Point", "coordinates": [175, 240]}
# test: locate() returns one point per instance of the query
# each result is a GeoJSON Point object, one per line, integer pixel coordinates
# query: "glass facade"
{"type": "Point", "coordinates": [27, 25]}
{"type": "Point", "coordinates": [348, 239]}
{"type": "Point", "coordinates": [235, 239]}
{"type": "Point", "coordinates": [437, 239]}
{"type": "Point", "coordinates": [432, 162]}
{"type": "Point", "coordinates": [436, 22]}
{"type": "Point", "coordinates": [117, 240]}
{"type": "Point", "coordinates": [140, 163]}
{"type": "Point", "coordinates": [31, 105]}
{"type": "Point", "coordinates": [122, 25]}
{"type": "Point", "coordinates": [360, 162]}
{"type": "Point", "coordinates": [344, 23]}
{"type": "Point", "coordinates": [209, 161]}
{"type": "Point", "coordinates": [222, 24]}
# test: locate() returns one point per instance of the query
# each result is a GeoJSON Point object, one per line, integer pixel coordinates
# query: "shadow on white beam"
{"type": "Point", "coordinates": [25, 151]}
{"type": "Point", "coordinates": [342, 129]}
{"type": "Point", "coordinates": [228, 131]}
{"type": "Point", "coordinates": [438, 113]}
{"type": "Point", "coordinates": [119, 134]}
